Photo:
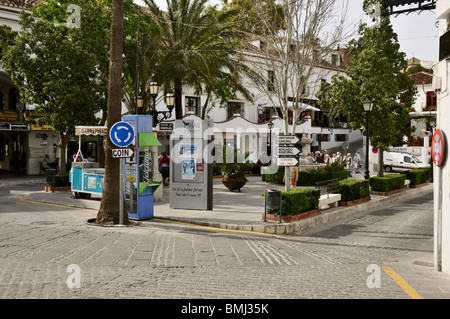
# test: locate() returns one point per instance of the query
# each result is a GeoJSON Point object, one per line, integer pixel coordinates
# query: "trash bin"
{"type": "Point", "coordinates": [272, 201]}
{"type": "Point", "coordinates": [50, 178]}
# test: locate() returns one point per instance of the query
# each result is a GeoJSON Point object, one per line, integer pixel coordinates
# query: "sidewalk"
{"type": "Point", "coordinates": [241, 211]}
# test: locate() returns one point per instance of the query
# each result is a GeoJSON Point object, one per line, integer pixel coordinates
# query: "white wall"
{"type": "Point", "coordinates": [442, 174]}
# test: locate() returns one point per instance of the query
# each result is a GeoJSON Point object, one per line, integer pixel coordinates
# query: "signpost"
{"type": "Point", "coordinates": [122, 152]}
{"type": "Point", "coordinates": [288, 150]}
{"type": "Point", "coordinates": [122, 135]}
{"type": "Point", "coordinates": [287, 161]}
{"type": "Point", "coordinates": [438, 148]}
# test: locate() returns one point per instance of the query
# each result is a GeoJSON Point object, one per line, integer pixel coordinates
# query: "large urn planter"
{"type": "Point", "coordinates": [234, 185]}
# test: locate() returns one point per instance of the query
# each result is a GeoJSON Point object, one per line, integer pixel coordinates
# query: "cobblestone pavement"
{"type": "Point", "coordinates": [166, 260]}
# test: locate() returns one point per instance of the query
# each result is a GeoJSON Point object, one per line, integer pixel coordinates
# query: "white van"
{"type": "Point", "coordinates": [401, 161]}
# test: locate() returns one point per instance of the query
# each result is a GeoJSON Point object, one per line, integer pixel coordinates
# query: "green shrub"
{"type": "Point", "coordinates": [387, 183]}
{"type": "Point", "coordinates": [276, 178]}
{"type": "Point", "coordinates": [351, 189]}
{"type": "Point", "coordinates": [418, 176]}
{"type": "Point", "coordinates": [310, 178]}
{"type": "Point", "coordinates": [299, 201]}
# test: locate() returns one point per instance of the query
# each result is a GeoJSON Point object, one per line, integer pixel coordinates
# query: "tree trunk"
{"type": "Point", "coordinates": [62, 154]}
{"type": "Point", "coordinates": [380, 163]}
{"type": "Point", "coordinates": [109, 206]}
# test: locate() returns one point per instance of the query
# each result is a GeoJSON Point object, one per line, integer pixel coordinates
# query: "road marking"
{"type": "Point", "coordinates": [163, 220]}
{"type": "Point", "coordinates": [402, 283]}
{"type": "Point", "coordinates": [221, 229]}
{"type": "Point", "coordinates": [55, 205]}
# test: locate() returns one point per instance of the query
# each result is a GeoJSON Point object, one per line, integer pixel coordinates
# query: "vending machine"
{"type": "Point", "coordinates": [138, 182]}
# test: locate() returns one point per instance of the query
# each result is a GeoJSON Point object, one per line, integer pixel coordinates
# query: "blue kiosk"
{"type": "Point", "coordinates": [138, 181]}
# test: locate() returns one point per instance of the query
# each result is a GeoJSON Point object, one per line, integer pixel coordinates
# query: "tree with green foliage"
{"type": "Point", "coordinates": [247, 17]}
{"type": "Point", "coordinates": [376, 74]}
{"type": "Point", "coordinates": [195, 50]}
{"type": "Point", "coordinates": [60, 69]}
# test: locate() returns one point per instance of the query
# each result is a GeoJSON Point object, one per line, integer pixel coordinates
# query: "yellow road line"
{"type": "Point", "coordinates": [221, 229]}
{"type": "Point", "coordinates": [55, 205]}
{"type": "Point", "coordinates": [402, 283]}
{"type": "Point", "coordinates": [161, 220]}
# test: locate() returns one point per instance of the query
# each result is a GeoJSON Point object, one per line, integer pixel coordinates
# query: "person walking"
{"type": "Point", "coordinates": [349, 164]}
{"type": "Point", "coordinates": [293, 176]}
{"type": "Point", "coordinates": [164, 166]}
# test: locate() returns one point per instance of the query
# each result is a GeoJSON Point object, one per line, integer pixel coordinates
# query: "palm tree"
{"type": "Point", "coordinates": [195, 48]}
{"type": "Point", "coordinates": [109, 206]}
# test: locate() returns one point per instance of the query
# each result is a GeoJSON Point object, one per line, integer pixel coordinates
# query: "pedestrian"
{"type": "Point", "coordinates": [349, 164]}
{"type": "Point", "coordinates": [293, 176]}
{"type": "Point", "coordinates": [164, 168]}
{"type": "Point", "coordinates": [46, 162]}
{"type": "Point", "coordinates": [319, 158]}
{"type": "Point", "coordinates": [356, 164]}
{"type": "Point", "coordinates": [327, 159]}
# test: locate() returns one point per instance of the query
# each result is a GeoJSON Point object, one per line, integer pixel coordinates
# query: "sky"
{"type": "Point", "coordinates": [417, 33]}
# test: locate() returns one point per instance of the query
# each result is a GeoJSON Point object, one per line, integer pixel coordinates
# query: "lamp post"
{"type": "Point", "coordinates": [153, 89]}
{"type": "Point", "coordinates": [368, 106]}
{"type": "Point", "coordinates": [137, 64]}
{"type": "Point", "coordinates": [270, 125]}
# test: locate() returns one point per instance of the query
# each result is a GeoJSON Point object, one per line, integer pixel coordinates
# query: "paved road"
{"type": "Point", "coordinates": [166, 260]}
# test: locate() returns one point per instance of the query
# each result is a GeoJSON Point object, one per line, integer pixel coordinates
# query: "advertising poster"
{"type": "Point", "coordinates": [188, 151]}
{"type": "Point", "coordinates": [188, 169]}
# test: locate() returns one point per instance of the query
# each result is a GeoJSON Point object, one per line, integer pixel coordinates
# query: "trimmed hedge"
{"type": "Point", "coordinates": [418, 176]}
{"type": "Point", "coordinates": [306, 178]}
{"type": "Point", "coordinates": [298, 201]}
{"type": "Point", "coordinates": [311, 178]}
{"type": "Point", "coordinates": [352, 189]}
{"type": "Point", "coordinates": [387, 183]}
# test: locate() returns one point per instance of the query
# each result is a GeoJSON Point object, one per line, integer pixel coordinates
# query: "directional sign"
{"type": "Point", "coordinates": [122, 152]}
{"type": "Point", "coordinates": [287, 139]}
{"type": "Point", "coordinates": [438, 148]}
{"type": "Point", "coordinates": [121, 134]}
{"type": "Point", "coordinates": [287, 161]}
{"type": "Point", "coordinates": [288, 150]}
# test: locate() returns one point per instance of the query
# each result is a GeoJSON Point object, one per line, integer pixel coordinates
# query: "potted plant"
{"type": "Point", "coordinates": [234, 169]}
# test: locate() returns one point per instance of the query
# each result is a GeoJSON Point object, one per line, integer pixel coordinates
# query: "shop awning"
{"type": "Point", "coordinates": [90, 130]}
{"type": "Point", "coordinates": [148, 139]}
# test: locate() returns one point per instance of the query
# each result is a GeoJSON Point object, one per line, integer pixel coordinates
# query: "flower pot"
{"type": "Point", "coordinates": [234, 185]}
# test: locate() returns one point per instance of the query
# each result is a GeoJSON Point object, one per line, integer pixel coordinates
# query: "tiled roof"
{"type": "Point", "coordinates": [19, 3]}
{"type": "Point", "coordinates": [421, 78]}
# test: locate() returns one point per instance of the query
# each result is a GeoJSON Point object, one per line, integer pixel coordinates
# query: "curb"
{"type": "Point", "coordinates": [295, 227]}
{"type": "Point", "coordinates": [291, 228]}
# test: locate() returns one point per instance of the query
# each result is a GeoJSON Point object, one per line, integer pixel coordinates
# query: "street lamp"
{"type": "Point", "coordinates": [368, 106]}
{"type": "Point", "coordinates": [158, 117]}
{"type": "Point", "coordinates": [137, 65]}
{"type": "Point", "coordinates": [270, 125]}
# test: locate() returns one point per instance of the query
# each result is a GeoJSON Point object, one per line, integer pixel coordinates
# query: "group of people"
{"type": "Point", "coordinates": [352, 163]}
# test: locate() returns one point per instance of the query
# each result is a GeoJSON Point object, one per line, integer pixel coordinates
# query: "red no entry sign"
{"type": "Point", "coordinates": [438, 148]}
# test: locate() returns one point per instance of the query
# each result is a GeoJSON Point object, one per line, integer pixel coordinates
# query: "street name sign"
{"type": "Point", "coordinates": [122, 152]}
{"type": "Point", "coordinates": [287, 139]}
{"type": "Point", "coordinates": [288, 150]}
{"type": "Point", "coordinates": [287, 161]}
{"type": "Point", "coordinates": [121, 134]}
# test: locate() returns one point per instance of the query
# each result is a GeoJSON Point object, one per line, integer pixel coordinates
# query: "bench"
{"type": "Point", "coordinates": [329, 193]}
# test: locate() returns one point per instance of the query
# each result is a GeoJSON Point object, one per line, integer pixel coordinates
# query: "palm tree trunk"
{"type": "Point", "coordinates": [109, 206]}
